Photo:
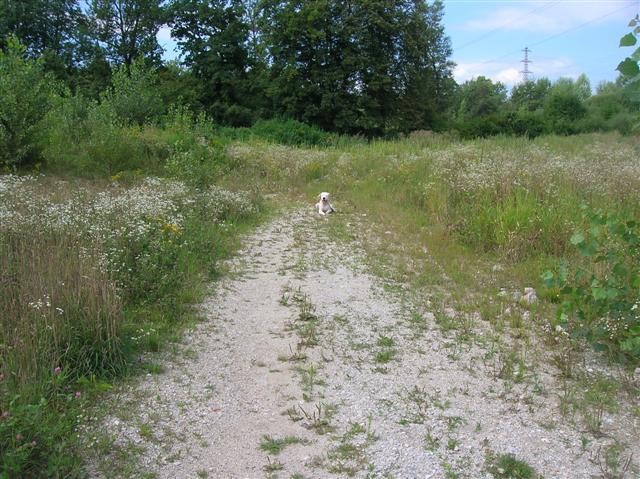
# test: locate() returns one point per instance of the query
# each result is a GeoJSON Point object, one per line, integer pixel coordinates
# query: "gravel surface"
{"type": "Point", "coordinates": [303, 343]}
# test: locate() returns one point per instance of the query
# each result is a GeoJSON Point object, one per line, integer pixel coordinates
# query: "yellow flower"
{"type": "Point", "coordinates": [171, 228]}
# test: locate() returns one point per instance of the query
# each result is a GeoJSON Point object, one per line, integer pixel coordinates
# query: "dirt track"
{"type": "Point", "coordinates": [302, 343]}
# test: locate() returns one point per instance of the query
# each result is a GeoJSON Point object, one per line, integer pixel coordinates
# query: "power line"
{"type": "Point", "coordinates": [513, 20]}
{"type": "Point", "coordinates": [583, 24]}
{"type": "Point", "coordinates": [551, 37]}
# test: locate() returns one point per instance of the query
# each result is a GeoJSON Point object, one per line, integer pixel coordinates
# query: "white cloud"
{"type": "Point", "coordinates": [508, 74]}
{"type": "Point", "coordinates": [552, 17]}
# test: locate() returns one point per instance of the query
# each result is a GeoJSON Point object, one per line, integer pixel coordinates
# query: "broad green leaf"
{"type": "Point", "coordinates": [628, 67]}
{"type": "Point", "coordinates": [547, 277]}
{"type": "Point", "coordinates": [628, 40]}
{"type": "Point", "coordinates": [577, 238]}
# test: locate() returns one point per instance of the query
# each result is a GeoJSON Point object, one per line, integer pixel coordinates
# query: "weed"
{"type": "Point", "coordinates": [432, 443]}
{"type": "Point", "coordinates": [320, 418]}
{"type": "Point", "coordinates": [600, 397]}
{"type": "Point", "coordinates": [272, 466]}
{"type": "Point", "coordinates": [507, 466]}
{"type": "Point", "coordinates": [387, 350]}
{"type": "Point", "coordinates": [612, 463]}
{"type": "Point", "coordinates": [418, 401]}
{"type": "Point", "coordinates": [275, 446]}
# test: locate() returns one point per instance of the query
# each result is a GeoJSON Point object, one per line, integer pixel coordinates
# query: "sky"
{"type": "Point", "coordinates": [565, 38]}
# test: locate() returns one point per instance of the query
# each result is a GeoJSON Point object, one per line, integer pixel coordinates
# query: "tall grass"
{"type": "Point", "coordinates": [511, 201]}
{"type": "Point", "coordinates": [510, 196]}
{"type": "Point", "coordinates": [60, 310]}
{"type": "Point", "coordinates": [91, 273]}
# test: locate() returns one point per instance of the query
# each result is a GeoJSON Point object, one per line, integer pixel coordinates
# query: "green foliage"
{"type": "Point", "coordinates": [127, 29]}
{"type": "Point", "coordinates": [600, 297]}
{"type": "Point", "coordinates": [291, 132]}
{"type": "Point", "coordinates": [507, 466]}
{"type": "Point", "coordinates": [133, 96]}
{"type": "Point", "coordinates": [87, 138]}
{"type": "Point", "coordinates": [26, 94]}
{"type": "Point", "coordinates": [479, 97]}
{"type": "Point", "coordinates": [34, 442]}
{"type": "Point", "coordinates": [48, 29]}
{"type": "Point", "coordinates": [368, 68]}
{"type": "Point", "coordinates": [564, 106]}
{"type": "Point", "coordinates": [214, 37]}
{"type": "Point", "coordinates": [629, 66]}
{"type": "Point", "coordinates": [198, 156]}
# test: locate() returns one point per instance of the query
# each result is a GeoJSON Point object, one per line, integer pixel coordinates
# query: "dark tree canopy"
{"type": "Point", "coordinates": [357, 66]}
{"type": "Point", "coordinates": [127, 29]}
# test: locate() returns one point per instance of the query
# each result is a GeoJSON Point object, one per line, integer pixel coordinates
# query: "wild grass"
{"type": "Point", "coordinates": [442, 212]}
{"type": "Point", "coordinates": [94, 270]}
{"type": "Point", "coordinates": [92, 273]}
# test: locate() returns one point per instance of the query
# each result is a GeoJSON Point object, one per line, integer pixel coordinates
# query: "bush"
{"type": "Point", "coordinates": [86, 138]}
{"type": "Point", "coordinates": [625, 122]}
{"type": "Point", "coordinates": [198, 156]}
{"type": "Point", "coordinates": [291, 132]}
{"type": "Point", "coordinates": [600, 299]}
{"type": "Point", "coordinates": [133, 96]}
{"type": "Point", "coordinates": [26, 93]}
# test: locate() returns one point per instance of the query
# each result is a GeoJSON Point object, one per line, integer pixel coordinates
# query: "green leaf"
{"type": "Point", "coordinates": [577, 238]}
{"type": "Point", "coordinates": [628, 67]}
{"type": "Point", "coordinates": [632, 23]}
{"type": "Point", "coordinates": [612, 293]}
{"type": "Point", "coordinates": [628, 40]}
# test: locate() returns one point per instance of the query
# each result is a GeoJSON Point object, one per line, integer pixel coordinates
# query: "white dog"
{"type": "Point", "coordinates": [323, 204]}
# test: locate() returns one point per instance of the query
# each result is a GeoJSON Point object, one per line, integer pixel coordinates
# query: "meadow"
{"type": "Point", "coordinates": [106, 251]}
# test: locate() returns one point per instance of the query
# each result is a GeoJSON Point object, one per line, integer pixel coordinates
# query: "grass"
{"type": "Point", "coordinates": [275, 446]}
{"type": "Point", "coordinates": [507, 466]}
{"type": "Point", "coordinates": [92, 274]}
{"type": "Point", "coordinates": [440, 215]}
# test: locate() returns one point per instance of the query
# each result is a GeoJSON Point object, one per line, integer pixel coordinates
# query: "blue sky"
{"type": "Point", "coordinates": [566, 38]}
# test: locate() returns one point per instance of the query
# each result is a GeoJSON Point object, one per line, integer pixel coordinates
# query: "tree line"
{"type": "Point", "coordinates": [366, 67]}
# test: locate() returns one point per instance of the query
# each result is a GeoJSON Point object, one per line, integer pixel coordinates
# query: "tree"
{"type": "Point", "coordinates": [427, 77]}
{"type": "Point", "coordinates": [127, 29]}
{"type": "Point", "coordinates": [26, 94]}
{"type": "Point", "coordinates": [47, 28]}
{"type": "Point", "coordinates": [213, 36]}
{"type": "Point", "coordinates": [479, 97]}
{"type": "Point", "coordinates": [368, 66]}
{"type": "Point", "coordinates": [530, 95]}
{"type": "Point", "coordinates": [564, 106]}
{"type": "Point", "coordinates": [133, 95]}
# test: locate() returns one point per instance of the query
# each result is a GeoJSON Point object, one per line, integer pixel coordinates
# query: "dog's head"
{"type": "Point", "coordinates": [324, 197]}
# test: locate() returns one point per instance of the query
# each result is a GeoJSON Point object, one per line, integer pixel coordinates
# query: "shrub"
{"type": "Point", "coordinates": [291, 132]}
{"type": "Point", "coordinates": [26, 93]}
{"type": "Point", "coordinates": [198, 155]}
{"type": "Point", "coordinates": [133, 96]}
{"type": "Point", "coordinates": [600, 299]}
{"type": "Point", "coordinates": [86, 138]}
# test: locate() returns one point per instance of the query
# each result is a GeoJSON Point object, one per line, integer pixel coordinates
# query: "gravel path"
{"type": "Point", "coordinates": [305, 353]}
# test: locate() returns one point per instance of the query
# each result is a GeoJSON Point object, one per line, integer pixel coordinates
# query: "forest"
{"type": "Point", "coordinates": [368, 68]}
